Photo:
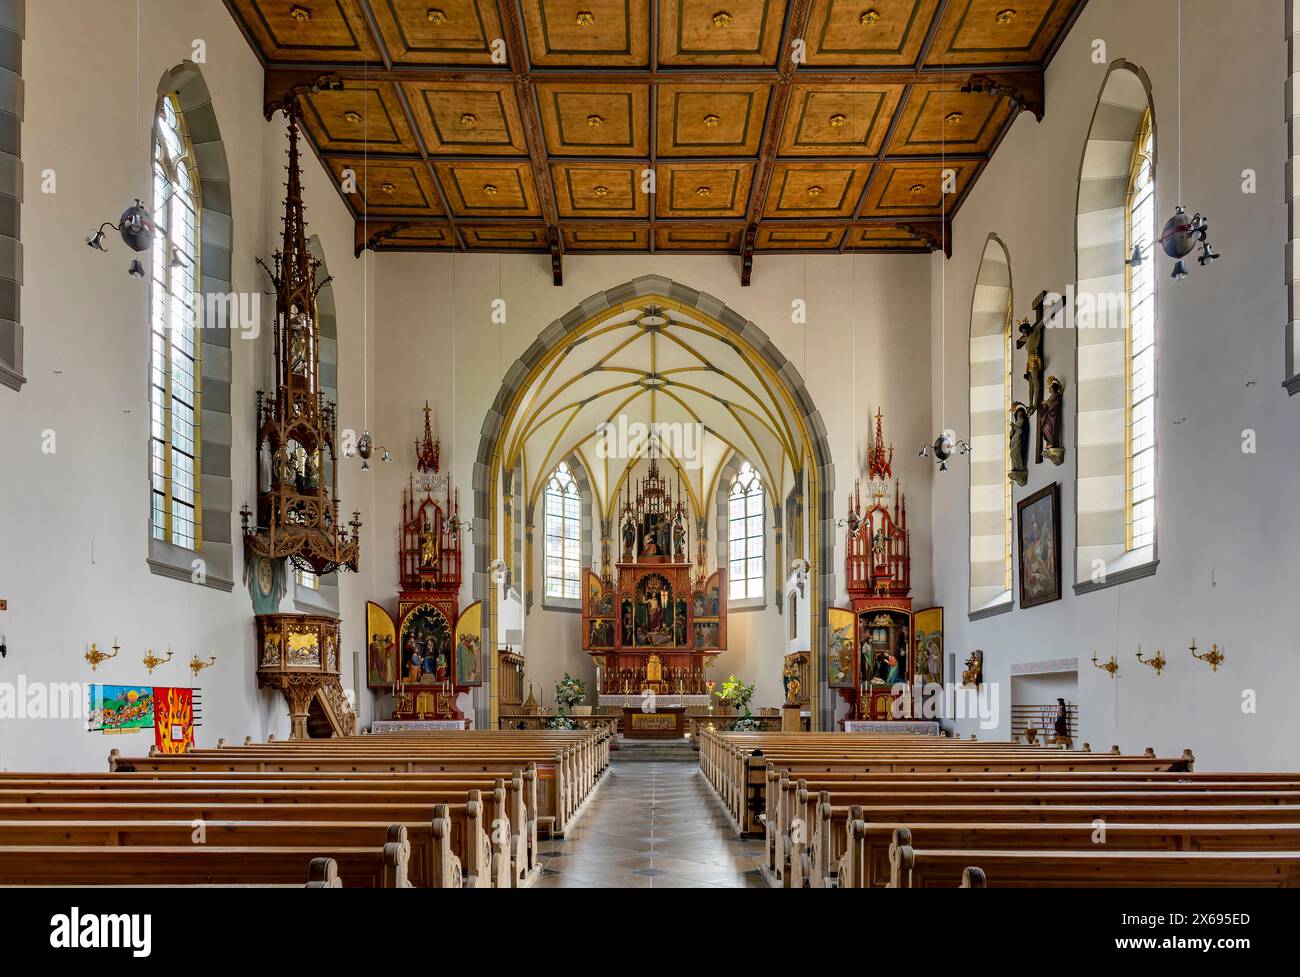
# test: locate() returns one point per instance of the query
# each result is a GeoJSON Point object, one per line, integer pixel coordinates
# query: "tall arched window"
{"type": "Point", "coordinates": [990, 406]}
{"type": "Point", "coordinates": [174, 369]}
{"type": "Point", "coordinates": [563, 557]}
{"type": "Point", "coordinates": [745, 535]}
{"type": "Point", "coordinates": [1115, 328]}
{"type": "Point", "coordinates": [1140, 481]}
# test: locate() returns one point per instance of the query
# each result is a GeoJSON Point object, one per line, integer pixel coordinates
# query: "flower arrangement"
{"type": "Point", "coordinates": [736, 693]}
{"type": "Point", "coordinates": [570, 691]}
{"type": "Point", "coordinates": [561, 722]}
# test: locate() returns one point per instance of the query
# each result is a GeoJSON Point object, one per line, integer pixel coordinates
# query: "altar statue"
{"type": "Point", "coordinates": [1019, 443]}
{"type": "Point", "coordinates": [429, 548]}
{"type": "Point", "coordinates": [1050, 420]}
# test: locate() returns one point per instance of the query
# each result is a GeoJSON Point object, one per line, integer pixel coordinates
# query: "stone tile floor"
{"type": "Point", "coordinates": [652, 825]}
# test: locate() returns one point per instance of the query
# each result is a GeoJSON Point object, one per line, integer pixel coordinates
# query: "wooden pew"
{"type": "Point", "coordinates": [384, 867]}
{"type": "Point", "coordinates": [470, 852]}
{"type": "Point", "coordinates": [430, 862]}
{"type": "Point", "coordinates": [567, 764]}
{"type": "Point", "coordinates": [914, 868]}
{"type": "Point", "coordinates": [868, 864]}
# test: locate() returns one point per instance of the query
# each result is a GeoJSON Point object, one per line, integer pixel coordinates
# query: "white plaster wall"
{"type": "Point", "coordinates": [86, 358]}
{"type": "Point", "coordinates": [1227, 536]}
{"type": "Point", "coordinates": [868, 319]}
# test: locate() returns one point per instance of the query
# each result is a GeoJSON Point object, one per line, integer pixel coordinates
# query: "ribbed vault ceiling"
{"type": "Point", "coordinates": [652, 368]}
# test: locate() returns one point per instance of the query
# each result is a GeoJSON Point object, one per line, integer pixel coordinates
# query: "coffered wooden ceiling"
{"type": "Point", "coordinates": [736, 126]}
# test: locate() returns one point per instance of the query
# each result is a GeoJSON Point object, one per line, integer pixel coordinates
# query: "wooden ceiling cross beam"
{"type": "Point", "coordinates": [796, 29]}
{"type": "Point", "coordinates": [517, 51]}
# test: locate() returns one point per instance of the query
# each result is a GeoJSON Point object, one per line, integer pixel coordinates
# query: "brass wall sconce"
{"type": "Point", "coordinates": [97, 657]}
{"type": "Point", "coordinates": [1111, 666]}
{"type": "Point", "coordinates": [152, 661]}
{"type": "Point", "coordinates": [197, 664]}
{"type": "Point", "coordinates": [1214, 656]}
{"type": "Point", "coordinates": [1158, 662]}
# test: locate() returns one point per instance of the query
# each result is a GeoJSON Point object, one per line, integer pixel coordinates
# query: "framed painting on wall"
{"type": "Point", "coordinates": [1038, 530]}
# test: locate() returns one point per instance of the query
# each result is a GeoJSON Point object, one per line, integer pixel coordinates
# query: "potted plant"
{"type": "Point", "coordinates": [570, 693]}
{"type": "Point", "coordinates": [735, 693]}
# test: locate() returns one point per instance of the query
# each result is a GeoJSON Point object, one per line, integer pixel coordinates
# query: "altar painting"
{"type": "Point", "coordinates": [381, 669]}
{"type": "Point", "coordinates": [654, 613]}
{"type": "Point", "coordinates": [839, 652]}
{"type": "Point", "coordinates": [469, 658]}
{"type": "Point", "coordinates": [426, 646]}
{"type": "Point", "coordinates": [929, 645]}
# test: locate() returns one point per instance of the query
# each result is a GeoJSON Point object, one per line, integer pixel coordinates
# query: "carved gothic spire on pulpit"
{"type": "Point", "coordinates": [297, 514]}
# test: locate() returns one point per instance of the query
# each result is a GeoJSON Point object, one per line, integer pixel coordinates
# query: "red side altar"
{"type": "Point", "coordinates": [653, 620]}
{"type": "Point", "coordinates": [431, 652]}
{"type": "Point", "coordinates": [869, 657]}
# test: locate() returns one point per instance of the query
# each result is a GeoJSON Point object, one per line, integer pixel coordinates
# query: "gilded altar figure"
{"type": "Point", "coordinates": [429, 549]}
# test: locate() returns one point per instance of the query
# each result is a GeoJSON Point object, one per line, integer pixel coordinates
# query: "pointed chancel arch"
{"type": "Point", "coordinates": [1105, 317]}
{"type": "Point", "coordinates": [654, 352]}
{"type": "Point", "coordinates": [990, 406]}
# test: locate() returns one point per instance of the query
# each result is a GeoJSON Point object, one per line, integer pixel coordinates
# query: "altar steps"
{"type": "Point", "coordinates": [655, 751]}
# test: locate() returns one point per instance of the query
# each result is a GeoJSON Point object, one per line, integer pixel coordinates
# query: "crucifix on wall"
{"type": "Point", "coordinates": [1031, 341]}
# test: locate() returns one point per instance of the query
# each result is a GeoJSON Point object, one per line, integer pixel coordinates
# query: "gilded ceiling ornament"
{"type": "Point", "coordinates": [300, 14]}
{"type": "Point", "coordinates": [711, 121]}
{"type": "Point", "coordinates": [469, 120]}
{"type": "Point", "coordinates": [1006, 16]}
{"type": "Point", "coordinates": [814, 191]}
{"type": "Point", "coordinates": [721, 19]}
{"type": "Point", "coordinates": [917, 187]}
{"type": "Point", "coordinates": [388, 188]}
{"type": "Point", "coordinates": [870, 17]}
{"type": "Point", "coordinates": [595, 121]}
{"type": "Point", "coordinates": [600, 191]}
{"type": "Point", "coordinates": [436, 16]}
{"type": "Point", "coordinates": [952, 118]}
{"type": "Point", "coordinates": [838, 121]}
{"type": "Point", "coordinates": [701, 191]}
{"type": "Point", "coordinates": [353, 118]}
{"type": "Point", "coordinates": [585, 18]}
{"type": "Point", "coordinates": [490, 189]}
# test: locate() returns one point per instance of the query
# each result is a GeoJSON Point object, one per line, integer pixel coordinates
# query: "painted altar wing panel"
{"type": "Point", "coordinates": [927, 630]}
{"type": "Point", "coordinates": [469, 650]}
{"type": "Point", "coordinates": [381, 645]}
{"type": "Point", "coordinates": [842, 671]}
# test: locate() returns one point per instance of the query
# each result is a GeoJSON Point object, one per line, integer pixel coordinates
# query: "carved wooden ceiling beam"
{"type": "Point", "coordinates": [937, 234]}
{"type": "Point", "coordinates": [1024, 89]}
{"type": "Point", "coordinates": [796, 29]}
{"type": "Point", "coordinates": [534, 138]}
{"type": "Point", "coordinates": [625, 76]}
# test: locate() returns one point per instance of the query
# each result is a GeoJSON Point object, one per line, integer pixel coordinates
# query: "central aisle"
{"type": "Point", "coordinates": [655, 824]}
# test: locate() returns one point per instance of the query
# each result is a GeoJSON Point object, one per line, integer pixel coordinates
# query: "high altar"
{"type": "Point", "coordinates": [431, 653]}
{"type": "Point", "coordinates": [870, 649]}
{"type": "Point", "coordinates": [654, 622]}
